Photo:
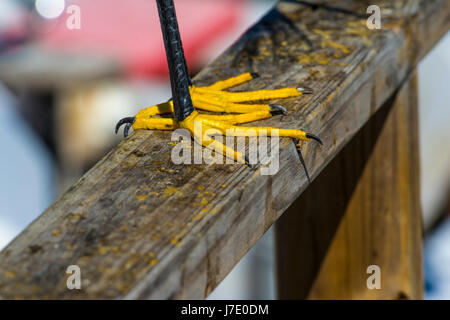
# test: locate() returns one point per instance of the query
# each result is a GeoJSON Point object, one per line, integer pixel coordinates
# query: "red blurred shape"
{"type": "Point", "coordinates": [129, 30]}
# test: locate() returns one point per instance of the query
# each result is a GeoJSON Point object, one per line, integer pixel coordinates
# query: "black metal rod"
{"type": "Point", "coordinates": [179, 76]}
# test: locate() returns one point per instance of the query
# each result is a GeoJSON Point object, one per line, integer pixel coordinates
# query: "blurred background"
{"type": "Point", "coordinates": [70, 69]}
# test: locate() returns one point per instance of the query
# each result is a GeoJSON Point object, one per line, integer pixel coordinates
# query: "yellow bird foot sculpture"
{"type": "Point", "coordinates": [188, 99]}
{"type": "Point", "coordinates": [214, 98]}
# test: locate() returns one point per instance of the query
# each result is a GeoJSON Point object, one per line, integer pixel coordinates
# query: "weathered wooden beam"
{"type": "Point", "coordinates": [363, 210]}
{"type": "Point", "coordinates": [139, 226]}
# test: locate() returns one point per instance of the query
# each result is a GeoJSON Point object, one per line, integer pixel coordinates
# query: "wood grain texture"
{"type": "Point", "coordinates": [363, 210]}
{"type": "Point", "coordinates": [141, 227]}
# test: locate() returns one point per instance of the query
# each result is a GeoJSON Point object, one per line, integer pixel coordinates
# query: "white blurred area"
{"type": "Point", "coordinates": [26, 172]}
{"type": "Point", "coordinates": [28, 183]}
{"type": "Point", "coordinates": [50, 9]}
{"type": "Point", "coordinates": [434, 102]}
{"type": "Point", "coordinates": [10, 12]}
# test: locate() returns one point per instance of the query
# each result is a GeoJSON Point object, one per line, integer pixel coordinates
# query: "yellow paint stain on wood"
{"type": "Point", "coordinates": [102, 250]}
{"type": "Point", "coordinates": [203, 202]}
{"type": "Point", "coordinates": [337, 45]}
{"type": "Point", "coordinates": [56, 233]}
{"type": "Point", "coordinates": [323, 54]}
{"type": "Point", "coordinates": [76, 216]}
{"type": "Point", "coordinates": [312, 58]}
{"type": "Point", "coordinates": [176, 240]}
{"type": "Point", "coordinates": [131, 261]}
{"type": "Point", "coordinates": [164, 169]}
{"type": "Point", "coordinates": [360, 30]}
{"type": "Point", "coordinates": [204, 198]}
{"type": "Point", "coordinates": [153, 262]}
{"type": "Point", "coordinates": [169, 191]}
{"type": "Point", "coordinates": [198, 217]}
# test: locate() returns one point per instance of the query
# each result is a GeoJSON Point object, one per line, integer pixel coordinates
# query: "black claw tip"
{"type": "Point", "coordinates": [128, 121]}
{"type": "Point", "coordinates": [306, 90]}
{"type": "Point", "coordinates": [277, 109]}
{"type": "Point", "coordinates": [247, 163]}
{"type": "Point", "coordinates": [254, 75]}
{"type": "Point", "coordinates": [126, 130]}
{"type": "Point", "coordinates": [302, 160]}
{"type": "Point", "coordinates": [314, 137]}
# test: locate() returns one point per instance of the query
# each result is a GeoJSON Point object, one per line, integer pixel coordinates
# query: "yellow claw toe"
{"type": "Point", "coordinates": [213, 98]}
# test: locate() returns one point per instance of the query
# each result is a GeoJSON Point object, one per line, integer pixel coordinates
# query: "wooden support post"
{"type": "Point", "coordinates": [362, 210]}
